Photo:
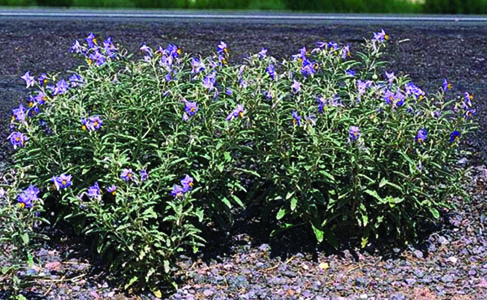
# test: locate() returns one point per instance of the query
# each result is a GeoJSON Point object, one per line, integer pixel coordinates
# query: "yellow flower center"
{"type": "Point", "coordinates": [179, 51]}
{"type": "Point", "coordinates": [96, 123]}
{"type": "Point", "coordinates": [31, 104]}
{"type": "Point", "coordinates": [83, 128]}
{"type": "Point", "coordinates": [22, 205]}
{"type": "Point", "coordinates": [17, 139]}
{"type": "Point", "coordinates": [192, 109]}
{"type": "Point", "coordinates": [191, 184]}
{"type": "Point", "coordinates": [114, 193]}
{"type": "Point", "coordinates": [64, 182]}
{"type": "Point", "coordinates": [386, 37]}
{"type": "Point", "coordinates": [241, 114]}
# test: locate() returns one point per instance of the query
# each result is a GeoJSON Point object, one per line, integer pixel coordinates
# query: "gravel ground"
{"type": "Point", "coordinates": [245, 264]}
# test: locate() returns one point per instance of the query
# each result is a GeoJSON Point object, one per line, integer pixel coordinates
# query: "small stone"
{"type": "Point", "coordinates": [442, 240]}
{"type": "Point", "coordinates": [418, 254]}
{"type": "Point", "coordinates": [364, 296]}
{"type": "Point", "coordinates": [410, 281]}
{"type": "Point", "coordinates": [453, 259]}
{"type": "Point", "coordinates": [208, 292]}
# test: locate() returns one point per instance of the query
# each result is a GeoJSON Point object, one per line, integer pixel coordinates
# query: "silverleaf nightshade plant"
{"type": "Point", "coordinates": [305, 140]}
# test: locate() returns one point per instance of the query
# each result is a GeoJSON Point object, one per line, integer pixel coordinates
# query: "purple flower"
{"type": "Point", "coordinates": [109, 47]}
{"type": "Point", "coordinates": [467, 101]}
{"type": "Point", "coordinates": [388, 97]}
{"type": "Point", "coordinates": [2, 193]}
{"type": "Point", "coordinates": [222, 48]}
{"type": "Point", "coordinates": [236, 113]}
{"type": "Point", "coordinates": [146, 49]}
{"type": "Point", "coordinates": [333, 46]}
{"type": "Point", "coordinates": [112, 189]}
{"type": "Point", "coordinates": [228, 91]}
{"type": "Point", "coordinates": [362, 86]}
{"type": "Point", "coordinates": [209, 81]}
{"type": "Point", "coordinates": [399, 97]}
{"type": "Point", "coordinates": [270, 70]}
{"type": "Point", "coordinates": [29, 80]}
{"type": "Point", "coordinates": [262, 53]}
{"type": "Point", "coordinates": [469, 113]}
{"type": "Point", "coordinates": [127, 175]}
{"type": "Point", "coordinates": [354, 133]}
{"type": "Point", "coordinates": [75, 80]}
{"type": "Point", "coordinates": [61, 87]}
{"type": "Point", "coordinates": [18, 139]}
{"type": "Point", "coordinates": [421, 136]}
{"type": "Point", "coordinates": [350, 72]}
{"type": "Point", "coordinates": [296, 118]}
{"type": "Point", "coordinates": [311, 120]}
{"type": "Point", "coordinates": [187, 183]}
{"type": "Point", "coordinates": [446, 85]}
{"type": "Point", "coordinates": [96, 57]}
{"type": "Point", "coordinates": [62, 181]}
{"type": "Point", "coordinates": [41, 97]}
{"type": "Point", "coordinates": [454, 136]}
{"type": "Point", "coordinates": [24, 201]}
{"type": "Point", "coordinates": [177, 191]}
{"type": "Point", "coordinates": [76, 48]}
{"type": "Point", "coordinates": [412, 89]}
{"type": "Point", "coordinates": [92, 124]}
{"type": "Point", "coordinates": [27, 196]}
{"type": "Point", "coordinates": [196, 65]}
{"type": "Point", "coordinates": [390, 77]}
{"type": "Point", "coordinates": [321, 103]}
{"type": "Point", "coordinates": [190, 107]}
{"type": "Point", "coordinates": [143, 175]}
{"type": "Point", "coordinates": [307, 69]}
{"type": "Point", "coordinates": [380, 36]}
{"type": "Point", "coordinates": [91, 40]}
{"type": "Point", "coordinates": [346, 52]}
{"type": "Point", "coordinates": [94, 191]}
{"type": "Point", "coordinates": [303, 52]}
{"type": "Point", "coordinates": [296, 86]}
{"type": "Point", "coordinates": [19, 113]}
{"type": "Point", "coordinates": [42, 79]}
{"type": "Point", "coordinates": [185, 117]}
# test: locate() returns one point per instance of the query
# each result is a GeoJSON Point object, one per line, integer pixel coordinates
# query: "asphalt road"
{"type": "Point", "coordinates": [237, 16]}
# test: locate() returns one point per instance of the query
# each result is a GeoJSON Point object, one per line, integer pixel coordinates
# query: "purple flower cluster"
{"type": "Point", "coordinates": [186, 186]}
{"type": "Point", "coordinates": [18, 139]}
{"type": "Point", "coordinates": [91, 124]}
{"type": "Point", "coordinates": [95, 54]}
{"type": "Point", "coordinates": [29, 195]}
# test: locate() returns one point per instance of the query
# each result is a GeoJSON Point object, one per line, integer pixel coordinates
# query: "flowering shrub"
{"type": "Point", "coordinates": [142, 153]}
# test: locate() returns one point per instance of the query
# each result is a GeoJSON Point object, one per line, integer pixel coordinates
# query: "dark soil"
{"type": "Point", "coordinates": [452, 262]}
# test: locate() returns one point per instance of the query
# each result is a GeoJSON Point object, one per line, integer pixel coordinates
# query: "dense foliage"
{"type": "Point", "coordinates": [142, 154]}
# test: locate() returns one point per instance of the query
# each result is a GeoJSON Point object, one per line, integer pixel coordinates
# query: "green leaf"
{"type": "Point", "coordinates": [318, 233]}
{"type": "Point", "coordinates": [281, 213]}
{"type": "Point", "coordinates": [239, 202]}
{"type": "Point", "coordinates": [434, 212]}
{"type": "Point", "coordinates": [294, 202]}
{"type": "Point", "coordinates": [132, 281]}
{"type": "Point", "coordinates": [375, 195]}
{"type": "Point", "coordinates": [227, 203]}
{"type": "Point", "coordinates": [326, 174]}
{"type": "Point", "coordinates": [25, 238]}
